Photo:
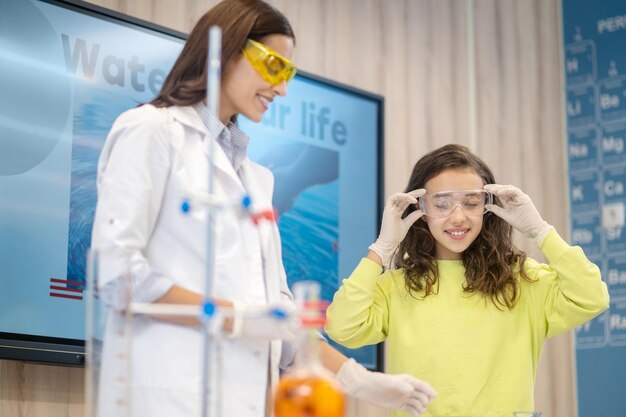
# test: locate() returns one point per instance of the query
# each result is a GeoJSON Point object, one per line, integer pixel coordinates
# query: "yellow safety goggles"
{"type": "Point", "coordinates": [273, 67]}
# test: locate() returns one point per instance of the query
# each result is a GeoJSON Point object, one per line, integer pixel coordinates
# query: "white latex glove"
{"type": "Point", "coordinates": [265, 321]}
{"type": "Point", "coordinates": [394, 228]}
{"type": "Point", "coordinates": [399, 392]}
{"type": "Point", "coordinates": [519, 211]}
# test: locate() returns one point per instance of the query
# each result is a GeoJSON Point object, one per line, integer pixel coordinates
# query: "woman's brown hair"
{"type": "Point", "coordinates": [240, 20]}
{"type": "Point", "coordinates": [490, 261]}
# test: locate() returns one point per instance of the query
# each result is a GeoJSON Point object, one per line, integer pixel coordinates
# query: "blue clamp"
{"type": "Point", "coordinates": [246, 202]}
{"type": "Point", "coordinates": [279, 313]}
{"type": "Point", "coordinates": [209, 308]}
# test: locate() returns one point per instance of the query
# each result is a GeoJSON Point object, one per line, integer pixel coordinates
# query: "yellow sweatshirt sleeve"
{"type": "Point", "coordinates": [358, 315]}
{"type": "Point", "coordinates": [570, 289]}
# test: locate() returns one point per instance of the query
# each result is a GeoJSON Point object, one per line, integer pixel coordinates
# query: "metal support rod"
{"type": "Point", "coordinates": [212, 97]}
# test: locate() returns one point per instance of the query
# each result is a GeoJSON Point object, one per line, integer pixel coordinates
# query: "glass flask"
{"type": "Point", "coordinates": [308, 389]}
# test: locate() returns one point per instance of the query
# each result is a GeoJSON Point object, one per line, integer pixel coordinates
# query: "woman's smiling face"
{"type": "Point", "coordinates": [244, 91]}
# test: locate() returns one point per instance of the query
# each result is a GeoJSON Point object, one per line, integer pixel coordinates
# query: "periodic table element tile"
{"type": "Point", "coordinates": [582, 148]}
{"type": "Point", "coordinates": [612, 99]}
{"type": "Point", "coordinates": [617, 322]}
{"type": "Point", "coordinates": [612, 138]}
{"type": "Point", "coordinates": [587, 233]}
{"type": "Point", "coordinates": [613, 227]}
{"type": "Point", "coordinates": [613, 190]}
{"type": "Point", "coordinates": [581, 105]}
{"type": "Point", "coordinates": [585, 192]}
{"type": "Point", "coordinates": [615, 275]}
{"type": "Point", "coordinates": [613, 215]}
{"type": "Point", "coordinates": [593, 334]}
{"type": "Point", "coordinates": [580, 59]}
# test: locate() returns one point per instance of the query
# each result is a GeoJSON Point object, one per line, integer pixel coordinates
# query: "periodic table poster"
{"type": "Point", "coordinates": [594, 38]}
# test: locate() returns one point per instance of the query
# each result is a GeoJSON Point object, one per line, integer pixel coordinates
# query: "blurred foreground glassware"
{"type": "Point", "coordinates": [308, 390]}
{"type": "Point", "coordinates": [107, 313]}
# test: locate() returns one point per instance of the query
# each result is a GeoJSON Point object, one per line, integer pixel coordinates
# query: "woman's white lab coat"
{"type": "Point", "coordinates": [152, 159]}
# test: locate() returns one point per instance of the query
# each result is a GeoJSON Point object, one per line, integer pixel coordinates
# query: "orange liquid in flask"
{"type": "Point", "coordinates": [308, 396]}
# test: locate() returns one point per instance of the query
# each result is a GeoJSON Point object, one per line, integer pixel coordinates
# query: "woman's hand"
{"type": "Point", "coordinates": [394, 228]}
{"type": "Point", "coordinates": [519, 211]}
{"type": "Point", "coordinates": [274, 321]}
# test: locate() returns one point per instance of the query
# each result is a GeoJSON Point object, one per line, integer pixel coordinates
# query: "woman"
{"type": "Point", "coordinates": [465, 309]}
{"type": "Point", "coordinates": [154, 156]}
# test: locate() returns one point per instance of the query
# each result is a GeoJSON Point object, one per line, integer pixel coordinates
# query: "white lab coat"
{"type": "Point", "coordinates": [151, 159]}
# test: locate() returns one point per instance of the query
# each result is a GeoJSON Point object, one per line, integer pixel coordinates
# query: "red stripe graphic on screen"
{"type": "Point", "coordinates": [59, 288]}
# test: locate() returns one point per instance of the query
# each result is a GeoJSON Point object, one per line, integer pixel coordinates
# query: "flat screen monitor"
{"type": "Point", "coordinates": [68, 70]}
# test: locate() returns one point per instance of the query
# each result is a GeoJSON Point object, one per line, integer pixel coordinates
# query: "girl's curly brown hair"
{"type": "Point", "coordinates": [490, 261]}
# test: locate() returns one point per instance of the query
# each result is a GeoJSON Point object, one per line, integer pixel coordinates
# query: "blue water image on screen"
{"type": "Point", "coordinates": [310, 233]}
{"type": "Point", "coordinates": [308, 209]}
{"type": "Point", "coordinates": [94, 113]}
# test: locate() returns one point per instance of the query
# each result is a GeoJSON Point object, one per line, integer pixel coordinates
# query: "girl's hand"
{"type": "Point", "coordinates": [394, 228]}
{"type": "Point", "coordinates": [396, 391]}
{"type": "Point", "coordinates": [518, 210]}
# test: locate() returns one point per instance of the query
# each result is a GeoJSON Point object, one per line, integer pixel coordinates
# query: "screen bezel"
{"type": "Point", "coordinates": [71, 352]}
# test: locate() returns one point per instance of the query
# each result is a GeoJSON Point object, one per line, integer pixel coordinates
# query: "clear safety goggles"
{"type": "Point", "coordinates": [442, 204]}
{"type": "Point", "coordinates": [273, 67]}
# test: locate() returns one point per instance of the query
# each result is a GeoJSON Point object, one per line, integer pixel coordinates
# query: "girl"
{"type": "Point", "coordinates": [464, 308]}
{"type": "Point", "coordinates": [153, 156]}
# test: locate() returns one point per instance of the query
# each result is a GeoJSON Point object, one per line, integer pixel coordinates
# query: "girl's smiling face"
{"type": "Point", "coordinates": [455, 233]}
